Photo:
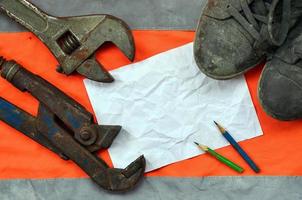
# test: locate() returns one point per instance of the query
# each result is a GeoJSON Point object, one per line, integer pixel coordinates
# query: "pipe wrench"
{"type": "Point", "coordinates": [66, 128]}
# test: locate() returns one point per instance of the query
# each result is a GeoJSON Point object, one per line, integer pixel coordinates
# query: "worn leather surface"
{"type": "Point", "coordinates": [226, 46]}
{"type": "Point", "coordinates": [280, 87]}
{"type": "Point", "coordinates": [218, 8]}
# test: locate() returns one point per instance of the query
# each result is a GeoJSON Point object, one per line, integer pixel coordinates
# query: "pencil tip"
{"type": "Point", "coordinates": [203, 147]}
{"type": "Point", "coordinates": [221, 129]}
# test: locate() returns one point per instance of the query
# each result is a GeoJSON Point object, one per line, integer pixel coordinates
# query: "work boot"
{"type": "Point", "coordinates": [233, 36]}
{"type": "Point", "coordinates": [280, 86]}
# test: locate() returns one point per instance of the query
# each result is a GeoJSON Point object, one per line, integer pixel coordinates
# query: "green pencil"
{"type": "Point", "coordinates": [220, 158]}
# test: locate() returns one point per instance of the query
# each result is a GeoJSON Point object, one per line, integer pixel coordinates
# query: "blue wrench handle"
{"type": "Point", "coordinates": [16, 117]}
{"type": "Point", "coordinates": [25, 123]}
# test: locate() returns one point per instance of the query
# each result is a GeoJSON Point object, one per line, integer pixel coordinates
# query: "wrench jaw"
{"type": "Point", "coordinates": [115, 31]}
{"type": "Point", "coordinates": [121, 180]}
{"type": "Point", "coordinates": [114, 179]}
{"type": "Point", "coordinates": [97, 137]}
{"type": "Point", "coordinates": [120, 35]}
{"type": "Point", "coordinates": [109, 133]}
{"type": "Point", "coordinates": [93, 70]}
{"type": "Point", "coordinates": [109, 29]}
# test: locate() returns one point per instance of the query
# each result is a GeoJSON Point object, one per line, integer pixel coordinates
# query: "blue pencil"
{"type": "Point", "coordinates": [236, 146]}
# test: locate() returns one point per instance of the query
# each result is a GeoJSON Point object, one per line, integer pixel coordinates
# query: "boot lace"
{"type": "Point", "coordinates": [261, 24]}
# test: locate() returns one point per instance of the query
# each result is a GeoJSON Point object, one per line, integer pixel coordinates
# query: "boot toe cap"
{"type": "Point", "coordinates": [223, 49]}
{"type": "Point", "coordinates": [280, 90]}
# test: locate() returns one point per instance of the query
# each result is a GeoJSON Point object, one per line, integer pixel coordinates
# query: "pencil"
{"type": "Point", "coordinates": [220, 158]}
{"type": "Point", "coordinates": [236, 146]}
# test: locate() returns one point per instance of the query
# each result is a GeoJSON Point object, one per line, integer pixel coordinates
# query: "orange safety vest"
{"type": "Point", "coordinates": [278, 152]}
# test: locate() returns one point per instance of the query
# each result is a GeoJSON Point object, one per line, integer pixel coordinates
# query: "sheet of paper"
{"type": "Point", "coordinates": [165, 103]}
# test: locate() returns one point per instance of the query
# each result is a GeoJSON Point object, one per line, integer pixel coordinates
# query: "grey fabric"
{"type": "Point", "coordinates": [138, 14]}
{"type": "Point", "coordinates": [233, 188]}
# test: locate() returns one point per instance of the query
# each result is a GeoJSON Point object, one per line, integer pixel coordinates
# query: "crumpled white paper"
{"type": "Point", "coordinates": [165, 103]}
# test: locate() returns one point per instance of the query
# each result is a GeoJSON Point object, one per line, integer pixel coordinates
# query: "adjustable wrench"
{"type": "Point", "coordinates": [73, 40]}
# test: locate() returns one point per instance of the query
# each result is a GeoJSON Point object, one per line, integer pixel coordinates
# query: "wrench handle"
{"type": "Point", "coordinates": [16, 117]}
{"type": "Point", "coordinates": [74, 115]}
{"type": "Point", "coordinates": [26, 14]}
{"type": "Point", "coordinates": [25, 123]}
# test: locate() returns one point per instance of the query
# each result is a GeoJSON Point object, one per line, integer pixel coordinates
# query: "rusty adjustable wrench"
{"type": "Point", "coordinates": [67, 128]}
{"type": "Point", "coordinates": [74, 40]}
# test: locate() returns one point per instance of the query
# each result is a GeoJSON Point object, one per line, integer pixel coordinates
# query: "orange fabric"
{"type": "Point", "coordinates": [278, 152]}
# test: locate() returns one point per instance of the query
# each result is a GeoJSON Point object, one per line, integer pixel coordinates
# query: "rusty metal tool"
{"type": "Point", "coordinates": [67, 128]}
{"type": "Point", "coordinates": [74, 40]}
